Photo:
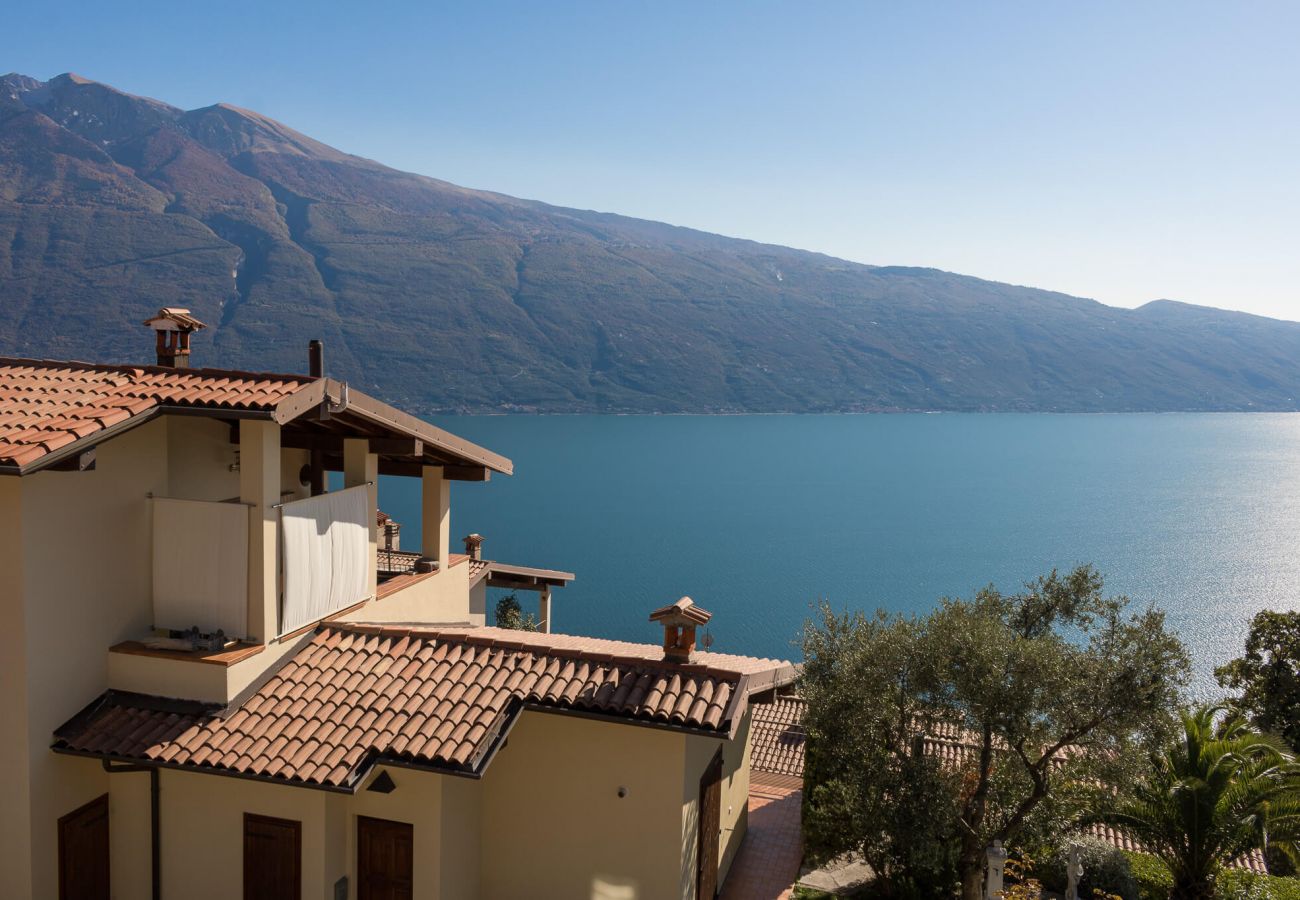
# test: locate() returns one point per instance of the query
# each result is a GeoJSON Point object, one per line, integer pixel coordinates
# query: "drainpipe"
{"type": "Point", "coordinates": [155, 832]}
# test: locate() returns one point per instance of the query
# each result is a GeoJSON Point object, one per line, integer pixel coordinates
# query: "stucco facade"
{"type": "Point", "coordinates": [563, 804]}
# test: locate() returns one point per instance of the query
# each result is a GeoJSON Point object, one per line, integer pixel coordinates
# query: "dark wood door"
{"type": "Point", "coordinates": [384, 859]}
{"type": "Point", "coordinates": [83, 852]}
{"type": "Point", "coordinates": [706, 881]}
{"type": "Point", "coordinates": [272, 858]}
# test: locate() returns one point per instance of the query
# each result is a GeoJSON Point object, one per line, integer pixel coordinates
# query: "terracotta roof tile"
{"type": "Point", "coordinates": [48, 405]}
{"type": "Point", "coordinates": [434, 696]}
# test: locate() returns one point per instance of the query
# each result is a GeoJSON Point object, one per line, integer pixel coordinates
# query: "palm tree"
{"type": "Point", "coordinates": [1219, 791]}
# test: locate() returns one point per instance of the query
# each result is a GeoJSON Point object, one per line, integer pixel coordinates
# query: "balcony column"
{"type": "Point", "coordinates": [360, 466]}
{"type": "Point", "coordinates": [259, 487]}
{"type": "Point", "coordinates": [544, 609]}
{"type": "Point", "coordinates": [435, 522]}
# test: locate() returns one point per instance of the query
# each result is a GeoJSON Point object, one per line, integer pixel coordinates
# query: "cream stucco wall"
{"type": "Point", "coordinates": [15, 796]}
{"type": "Point", "coordinates": [199, 457]}
{"type": "Point", "coordinates": [463, 842]}
{"type": "Point", "coordinates": [554, 824]}
{"type": "Point", "coordinates": [544, 821]}
{"type": "Point", "coordinates": [86, 539]}
{"type": "Point", "coordinates": [202, 818]}
{"type": "Point", "coordinates": [439, 598]}
{"type": "Point", "coordinates": [734, 813]}
{"type": "Point", "coordinates": [79, 581]}
{"type": "Point", "coordinates": [478, 603]}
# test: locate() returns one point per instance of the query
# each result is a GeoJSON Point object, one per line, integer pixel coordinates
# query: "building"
{"type": "Point", "coordinates": [221, 680]}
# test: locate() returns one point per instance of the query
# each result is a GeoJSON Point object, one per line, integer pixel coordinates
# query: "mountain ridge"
{"type": "Point", "coordinates": [450, 299]}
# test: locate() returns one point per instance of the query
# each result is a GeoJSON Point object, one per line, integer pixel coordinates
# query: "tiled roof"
{"type": "Point", "coordinates": [777, 737]}
{"type": "Point", "coordinates": [47, 405]}
{"type": "Point", "coordinates": [425, 696]}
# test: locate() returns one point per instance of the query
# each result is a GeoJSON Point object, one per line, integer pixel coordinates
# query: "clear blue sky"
{"type": "Point", "coordinates": [1122, 151]}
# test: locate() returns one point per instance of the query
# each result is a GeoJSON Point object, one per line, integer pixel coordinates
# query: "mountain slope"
{"type": "Point", "coordinates": [445, 298]}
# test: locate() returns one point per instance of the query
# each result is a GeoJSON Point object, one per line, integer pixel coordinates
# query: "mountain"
{"type": "Point", "coordinates": [449, 299]}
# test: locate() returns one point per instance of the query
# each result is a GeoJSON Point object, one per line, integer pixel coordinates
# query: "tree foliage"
{"type": "Point", "coordinates": [1267, 677]}
{"type": "Point", "coordinates": [1218, 791]}
{"type": "Point", "coordinates": [509, 614]}
{"type": "Point", "coordinates": [1036, 697]}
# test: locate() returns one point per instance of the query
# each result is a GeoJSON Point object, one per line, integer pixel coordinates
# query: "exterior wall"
{"type": "Point", "coordinates": [202, 825]}
{"type": "Point", "coordinates": [418, 801]}
{"type": "Point", "coordinates": [15, 796]}
{"type": "Point", "coordinates": [545, 821]}
{"type": "Point", "coordinates": [554, 826]}
{"type": "Point", "coordinates": [199, 456]}
{"type": "Point", "coordinates": [440, 598]}
{"type": "Point", "coordinates": [80, 580]}
{"type": "Point", "coordinates": [734, 816]}
{"type": "Point", "coordinates": [130, 859]}
{"type": "Point", "coordinates": [478, 603]}
{"type": "Point", "coordinates": [190, 680]}
{"type": "Point", "coordinates": [735, 794]}
{"type": "Point", "coordinates": [462, 838]}
{"type": "Point", "coordinates": [87, 541]}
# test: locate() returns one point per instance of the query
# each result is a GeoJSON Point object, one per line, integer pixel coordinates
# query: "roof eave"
{"type": "Point", "coordinates": [343, 399]}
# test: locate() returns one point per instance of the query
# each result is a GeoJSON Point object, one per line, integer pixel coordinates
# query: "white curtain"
{"type": "Point", "coordinates": [200, 566]}
{"type": "Point", "coordinates": [326, 544]}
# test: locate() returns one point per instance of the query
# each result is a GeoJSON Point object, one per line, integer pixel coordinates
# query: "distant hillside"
{"type": "Point", "coordinates": [448, 299]}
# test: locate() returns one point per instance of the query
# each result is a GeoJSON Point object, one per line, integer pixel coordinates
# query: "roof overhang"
{"type": "Point", "coordinates": [324, 413]}
{"type": "Point", "coordinates": [503, 575]}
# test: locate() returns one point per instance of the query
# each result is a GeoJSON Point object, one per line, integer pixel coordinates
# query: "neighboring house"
{"type": "Point", "coordinates": [222, 680]}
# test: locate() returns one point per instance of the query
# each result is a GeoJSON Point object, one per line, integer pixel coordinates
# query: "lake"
{"type": "Point", "coordinates": [759, 517]}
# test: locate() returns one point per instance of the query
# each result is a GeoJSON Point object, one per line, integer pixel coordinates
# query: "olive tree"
{"type": "Point", "coordinates": [1034, 699]}
{"type": "Point", "coordinates": [1267, 677]}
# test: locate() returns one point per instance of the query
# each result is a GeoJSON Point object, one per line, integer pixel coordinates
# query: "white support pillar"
{"type": "Point", "coordinates": [435, 522]}
{"type": "Point", "coordinates": [544, 608]}
{"type": "Point", "coordinates": [259, 487]}
{"type": "Point", "coordinates": [360, 466]}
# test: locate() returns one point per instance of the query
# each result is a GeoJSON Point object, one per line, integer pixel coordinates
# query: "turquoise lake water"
{"type": "Point", "coordinates": [759, 517]}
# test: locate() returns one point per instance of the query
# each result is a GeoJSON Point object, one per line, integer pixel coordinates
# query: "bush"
{"type": "Point", "coordinates": [1238, 884]}
{"type": "Point", "coordinates": [1154, 882]}
{"type": "Point", "coordinates": [1105, 868]}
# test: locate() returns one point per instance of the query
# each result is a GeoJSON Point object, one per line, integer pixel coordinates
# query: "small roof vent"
{"type": "Point", "coordinates": [174, 325]}
{"type": "Point", "coordinates": [680, 620]}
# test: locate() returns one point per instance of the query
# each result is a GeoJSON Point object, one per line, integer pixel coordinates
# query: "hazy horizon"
{"type": "Point", "coordinates": [1123, 155]}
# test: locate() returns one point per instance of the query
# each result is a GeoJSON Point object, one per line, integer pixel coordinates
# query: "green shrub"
{"type": "Point", "coordinates": [1105, 867]}
{"type": "Point", "coordinates": [1154, 882]}
{"type": "Point", "coordinates": [1238, 884]}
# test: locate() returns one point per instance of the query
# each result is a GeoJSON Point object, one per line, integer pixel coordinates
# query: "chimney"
{"type": "Point", "coordinates": [474, 546]}
{"type": "Point", "coordinates": [174, 325]}
{"type": "Point", "coordinates": [316, 359]}
{"type": "Point", "coordinates": [680, 621]}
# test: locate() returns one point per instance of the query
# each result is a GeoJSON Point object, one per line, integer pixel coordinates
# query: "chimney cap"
{"type": "Point", "coordinates": [174, 318]}
{"type": "Point", "coordinates": [683, 612]}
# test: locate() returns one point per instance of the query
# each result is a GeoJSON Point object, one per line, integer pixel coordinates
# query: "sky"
{"type": "Point", "coordinates": [1120, 151]}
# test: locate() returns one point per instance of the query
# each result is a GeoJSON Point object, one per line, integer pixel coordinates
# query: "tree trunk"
{"type": "Point", "coordinates": [971, 866]}
{"type": "Point", "coordinates": [1192, 889]}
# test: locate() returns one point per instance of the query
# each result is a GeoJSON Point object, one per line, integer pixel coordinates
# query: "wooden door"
{"type": "Point", "coordinates": [272, 858]}
{"type": "Point", "coordinates": [384, 859]}
{"type": "Point", "coordinates": [83, 852]}
{"type": "Point", "coordinates": [706, 880]}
